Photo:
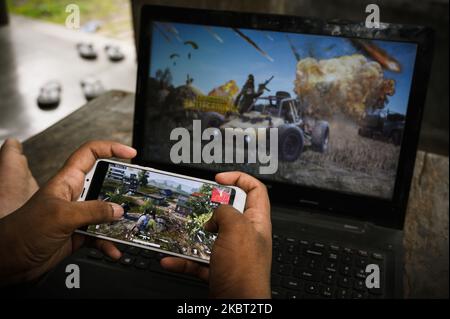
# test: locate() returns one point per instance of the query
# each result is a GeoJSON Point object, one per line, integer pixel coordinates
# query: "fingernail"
{"type": "Point", "coordinates": [130, 148]}
{"type": "Point", "coordinates": [117, 211]}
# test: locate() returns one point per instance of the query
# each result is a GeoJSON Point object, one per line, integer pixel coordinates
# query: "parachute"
{"type": "Point", "coordinates": [173, 56]}
{"type": "Point", "coordinates": [192, 43]}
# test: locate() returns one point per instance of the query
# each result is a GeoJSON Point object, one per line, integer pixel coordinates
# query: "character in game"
{"type": "Point", "coordinates": [140, 225]}
{"type": "Point", "coordinates": [151, 222]}
{"type": "Point", "coordinates": [247, 96]}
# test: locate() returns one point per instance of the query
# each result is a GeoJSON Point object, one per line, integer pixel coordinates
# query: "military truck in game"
{"type": "Point", "coordinates": [383, 125]}
{"type": "Point", "coordinates": [281, 111]}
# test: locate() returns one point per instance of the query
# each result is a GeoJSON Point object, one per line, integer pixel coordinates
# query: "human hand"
{"type": "Point", "coordinates": [37, 236]}
{"type": "Point", "coordinates": [242, 253]}
{"type": "Point", "coordinates": [17, 183]}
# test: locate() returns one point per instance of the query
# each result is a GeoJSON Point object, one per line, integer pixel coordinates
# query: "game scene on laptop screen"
{"type": "Point", "coordinates": [338, 104]}
{"type": "Point", "coordinates": [161, 211]}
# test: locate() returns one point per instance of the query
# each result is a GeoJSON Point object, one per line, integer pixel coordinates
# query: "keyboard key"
{"type": "Point", "coordinates": [360, 273]}
{"type": "Point", "coordinates": [142, 263]}
{"type": "Point", "coordinates": [345, 282]}
{"type": "Point", "coordinates": [329, 278]}
{"type": "Point", "coordinates": [291, 240]}
{"type": "Point", "coordinates": [342, 293]}
{"type": "Point", "coordinates": [345, 270]}
{"type": "Point", "coordinates": [95, 254]}
{"type": "Point", "coordinates": [132, 250]}
{"type": "Point", "coordinates": [278, 294]}
{"type": "Point", "coordinates": [361, 262]}
{"type": "Point", "coordinates": [335, 248]}
{"type": "Point", "coordinates": [331, 267]}
{"type": "Point", "coordinates": [360, 285]}
{"type": "Point", "coordinates": [377, 256]}
{"type": "Point", "coordinates": [304, 243]}
{"type": "Point", "coordinates": [319, 246]}
{"type": "Point", "coordinates": [347, 259]}
{"type": "Point", "coordinates": [312, 288]}
{"type": "Point", "coordinates": [332, 256]}
{"type": "Point", "coordinates": [127, 260]}
{"type": "Point", "coordinates": [327, 291]}
{"type": "Point", "coordinates": [310, 275]}
{"type": "Point", "coordinates": [313, 252]}
{"type": "Point", "coordinates": [363, 253]}
{"type": "Point", "coordinates": [291, 249]}
{"type": "Point", "coordinates": [314, 263]}
{"type": "Point", "coordinates": [348, 251]}
{"type": "Point", "coordinates": [292, 283]}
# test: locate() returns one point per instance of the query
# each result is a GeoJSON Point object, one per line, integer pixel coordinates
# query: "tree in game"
{"type": "Point", "coordinates": [143, 180]}
{"type": "Point", "coordinates": [202, 209]}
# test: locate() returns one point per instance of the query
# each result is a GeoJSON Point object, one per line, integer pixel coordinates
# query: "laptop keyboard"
{"type": "Point", "coordinates": [300, 268]}
{"type": "Point", "coordinates": [308, 269]}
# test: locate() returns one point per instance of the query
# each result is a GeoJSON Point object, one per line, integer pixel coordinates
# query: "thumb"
{"type": "Point", "coordinates": [223, 219]}
{"type": "Point", "coordinates": [94, 212]}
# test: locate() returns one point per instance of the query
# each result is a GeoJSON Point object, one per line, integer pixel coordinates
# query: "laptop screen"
{"type": "Point", "coordinates": [325, 112]}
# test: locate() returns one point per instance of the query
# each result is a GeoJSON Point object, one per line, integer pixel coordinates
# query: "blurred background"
{"type": "Point", "coordinates": [36, 47]}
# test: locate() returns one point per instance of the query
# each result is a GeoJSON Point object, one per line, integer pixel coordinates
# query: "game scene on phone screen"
{"type": "Point", "coordinates": [339, 104]}
{"type": "Point", "coordinates": [161, 211]}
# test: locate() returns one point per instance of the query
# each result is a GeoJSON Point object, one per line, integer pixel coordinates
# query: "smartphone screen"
{"type": "Point", "coordinates": [160, 211]}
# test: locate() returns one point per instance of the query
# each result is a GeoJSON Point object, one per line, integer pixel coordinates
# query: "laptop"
{"type": "Point", "coordinates": [347, 102]}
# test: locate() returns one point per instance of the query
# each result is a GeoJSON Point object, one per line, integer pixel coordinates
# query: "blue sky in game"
{"type": "Point", "coordinates": [187, 185]}
{"type": "Point", "coordinates": [222, 55]}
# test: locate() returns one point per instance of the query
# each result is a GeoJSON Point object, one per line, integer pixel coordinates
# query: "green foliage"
{"type": "Point", "coordinates": [116, 198]}
{"type": "Point", "coordinates": [142, 178]}
{"type": "Point", "coordinates": [147, 207]}
{"type": "Point", "coordinates": [202, 210]}
{"type": "Point", "coordinates": [54, 10]}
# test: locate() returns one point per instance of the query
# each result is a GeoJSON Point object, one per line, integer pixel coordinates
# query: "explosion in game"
{"type": "Point", "coordinates": [339, 104]}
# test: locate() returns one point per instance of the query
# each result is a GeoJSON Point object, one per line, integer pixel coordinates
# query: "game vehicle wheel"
{"type": "Point", "coordinates": [291, 142]}
{"type": "Point", "coordinates": [320, 137]}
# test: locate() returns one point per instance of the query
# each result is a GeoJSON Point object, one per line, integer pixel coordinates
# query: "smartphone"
{"type": "Point", "coordinates": [164, 212]}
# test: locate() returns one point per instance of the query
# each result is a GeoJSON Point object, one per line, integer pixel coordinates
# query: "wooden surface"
{"type": "Point", "coordinates": [426, 228]}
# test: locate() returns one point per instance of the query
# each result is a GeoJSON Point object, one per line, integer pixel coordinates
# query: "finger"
{"type": "Point", "coordinates": [224, 219]}
{"type": "Point", "coordinates": [68, 183]}
{"type": "Point", "coordinates": [12, 144]}
{"type": "Point", "coordinates": [94, 212]}
{"type": "Point", "coordinates": [184, 266]}
{"type": "Point", "coordinates": [108, 248]}
{"type": "Point", "coordinates": [257, 198]}
{"type": "Point", "coordinates": [256, 191]}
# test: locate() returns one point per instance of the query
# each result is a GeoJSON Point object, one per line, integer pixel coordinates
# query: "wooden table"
{"type": "Point", "coordinates": [426, 228]}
